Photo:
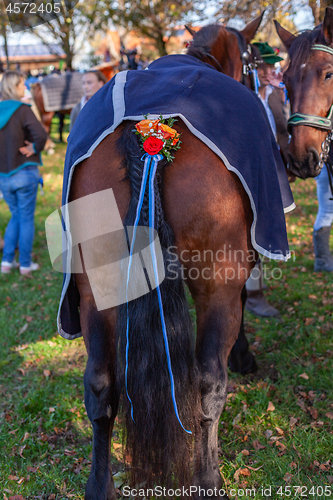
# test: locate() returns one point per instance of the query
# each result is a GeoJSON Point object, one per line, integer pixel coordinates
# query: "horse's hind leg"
{"type": "Point", "coordinates": [218, 320]}
{"type": "Point", "coordinates": [101, 397]}
{"type": "Point", "coordinates": [241, 360]}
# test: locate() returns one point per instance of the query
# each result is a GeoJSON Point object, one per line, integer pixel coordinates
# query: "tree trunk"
{"type": "Point", "coordinates": [160, 45]}
{"type": "Point", "coordinates": [318, 9]}
{"type": "Point", "coordinates": [4, 34]}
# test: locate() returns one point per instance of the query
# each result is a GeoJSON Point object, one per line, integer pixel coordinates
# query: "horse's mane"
{"type": "Point", "coordinates": [300, 49]}
{"type": "Point", "coordinates": [203, 41]}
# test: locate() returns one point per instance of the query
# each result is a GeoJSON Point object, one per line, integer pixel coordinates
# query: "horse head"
{"type": "Point", "coordinates": [226, 49]}
{"type": "Point", "coordinates": [309, 82]}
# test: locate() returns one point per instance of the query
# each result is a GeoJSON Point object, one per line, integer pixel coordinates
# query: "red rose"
{"type": "Point", "coordinates": [153, 145]}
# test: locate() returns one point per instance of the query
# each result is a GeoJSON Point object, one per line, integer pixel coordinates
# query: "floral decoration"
{"type": "Point", "coordinates": [158, 137]}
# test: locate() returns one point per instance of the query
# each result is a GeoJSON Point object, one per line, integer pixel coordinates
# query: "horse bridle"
{"type": "Point", "coordinates": [249, 68]}
{"type": "Point", "coordinates": [320, 122]}
{"type": "Point", "coordinates": [246, 51]}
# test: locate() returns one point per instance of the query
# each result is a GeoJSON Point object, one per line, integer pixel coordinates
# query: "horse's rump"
{"type": "Point", "coordinates": [220, 112]}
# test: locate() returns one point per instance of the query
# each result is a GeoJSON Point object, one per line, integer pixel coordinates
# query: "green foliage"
{"type": "Point", "coordinates": [155, 19]}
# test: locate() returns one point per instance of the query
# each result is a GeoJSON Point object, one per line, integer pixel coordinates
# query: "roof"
{"type": "Point", "coordinates": [33, 52]}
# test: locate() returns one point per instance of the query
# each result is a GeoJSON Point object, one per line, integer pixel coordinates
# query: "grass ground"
{"type": "Point", "coordinates": [275, 431]}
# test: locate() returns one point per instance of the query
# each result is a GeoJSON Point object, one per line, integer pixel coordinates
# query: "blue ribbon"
{"type": "Point", "coordinates": [150, 166]}
{"type": "Point", "coordinates": [256, 81]}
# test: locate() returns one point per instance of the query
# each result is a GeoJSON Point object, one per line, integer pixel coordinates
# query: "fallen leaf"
{"type": "Point", "coordinates": [237, 419]}
{"type": "Point", "coordinates": [270, 406]}
{"type": "Point", "coordinates": [329, 414]}
{"type": "Point", "coordinates": [13, 478]}
{"type": "Point", "coordinates": [21, 347]}
{"type": "Point", "coordinates": [330, 479]}
{"type": "Point", "coordinates": [280, 445]}
{"type": "Point", "coordinates": [17, 497]}
{"type": "Point", "coordinates": [287, 477]}
{"type": "Point", "coordinates": [47, 373]}
{"type": "Point", "coordinates": [246, 453]}
{"type": "Point", "coordinates": [279, 431]}
{"type": "Point", "coordinates": [51, 409]}
{"type": "Point", "coordinates": [26, 435]}
{"type": "Point", "coordinates": [241, 472]}
{"type": "Point", "coordinates": [292, 421]}
{"type": "Point", "coordinates": [313, 297]}
{"type": "Point", "coordinates": [254, 468]}
{"type": "Point", "coordinates": [268, 434]}
{"type": "Point", "coordinates": [304, 375]}
{"type": "Point", "coordinates": [313, 412]}
{"type": "Point", "coordinates": [51, 497]}
{"type": "Point", "coordinates": [23, 329]}
{"type": "Point", "coordinates": [308, 321]}
{"type": "Point", "coordinates": [32, 469]}
{"type": "Point", "coordinates": [257, 445]}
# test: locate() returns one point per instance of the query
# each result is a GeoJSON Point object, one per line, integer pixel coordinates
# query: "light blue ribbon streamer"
{"type": "Point", "coordinates": [256, 81]}
{"type": "Point", "coordinates": [150, 167]}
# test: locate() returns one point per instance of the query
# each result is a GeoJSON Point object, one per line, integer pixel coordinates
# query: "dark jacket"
{"type": "Point", "coordinates": [17, 125]}
{"type": "Point", "coordinates": [275, 101]}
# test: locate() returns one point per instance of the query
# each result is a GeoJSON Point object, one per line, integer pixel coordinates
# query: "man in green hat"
{"type": "Point", "coordinates": [273, 100]}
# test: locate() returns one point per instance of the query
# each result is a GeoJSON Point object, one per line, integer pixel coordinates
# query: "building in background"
{"type": "Point", "coordinates": [32, 57]}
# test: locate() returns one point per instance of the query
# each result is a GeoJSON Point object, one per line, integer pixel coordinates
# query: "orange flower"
{"type": "Point", "coordinates": [166, 131]}
{"type": "Point", "coordinates": [146, 126]}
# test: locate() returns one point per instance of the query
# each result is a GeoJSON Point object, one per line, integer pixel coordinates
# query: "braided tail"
{"type": "Point", "coordinates": [159, 447]}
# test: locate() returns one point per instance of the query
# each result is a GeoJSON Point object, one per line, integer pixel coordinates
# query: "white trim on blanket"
{"type": "Point", "coordinates": [119, 116]}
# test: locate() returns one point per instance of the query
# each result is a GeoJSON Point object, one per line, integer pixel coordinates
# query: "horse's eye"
{"type": "Point", "coordinates": [328, 76]}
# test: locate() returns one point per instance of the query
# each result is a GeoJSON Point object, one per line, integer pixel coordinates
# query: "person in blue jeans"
{"type": "Point", "coordinates": [323, 223]}
{"type": "Point", "coordinates": [22, 138]}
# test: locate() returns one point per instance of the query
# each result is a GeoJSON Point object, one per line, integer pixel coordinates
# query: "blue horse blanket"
{"type": "Point", "coordinates": [224, 114]}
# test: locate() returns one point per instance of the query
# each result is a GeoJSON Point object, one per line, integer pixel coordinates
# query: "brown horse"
{"type": "Point", "coordinates": [197, 211]}
{"type": "Point", "coordinates": [309, 82]}
{"type": "Point", "coordinates": [47, 116]}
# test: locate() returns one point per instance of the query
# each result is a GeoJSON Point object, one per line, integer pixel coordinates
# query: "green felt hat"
{"type": "Point", "coordinates": [268, 55]}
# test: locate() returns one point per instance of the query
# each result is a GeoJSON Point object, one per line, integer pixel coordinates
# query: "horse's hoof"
{"type": "Point", "coordinates": [97, 491]}
{"type": "Point", "coordinates": [246, 365]}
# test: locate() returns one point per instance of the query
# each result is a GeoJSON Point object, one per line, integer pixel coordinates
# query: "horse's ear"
{"type": "Point", "coordinates": [250, 29]}
{"type": "Point", "coordinates": [327, 26]}
{"type": "Point", "coordinates": [191, 32]}
{"type": "Point", "coordinates": [286, 37]}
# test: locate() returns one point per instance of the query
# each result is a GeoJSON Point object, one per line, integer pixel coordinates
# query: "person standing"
{"type": "Point", "coordinates": [273, 100]}
{"type": "Point", "coordinates": [323, 223]}
{"type": "Point", "coordinates": [22, 138]}
{"type": "Point", "coordinates": [92, 81]}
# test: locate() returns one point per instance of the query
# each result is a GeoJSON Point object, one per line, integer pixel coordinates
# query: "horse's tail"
{"type": "Point", "coordinates": [160, 449]}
